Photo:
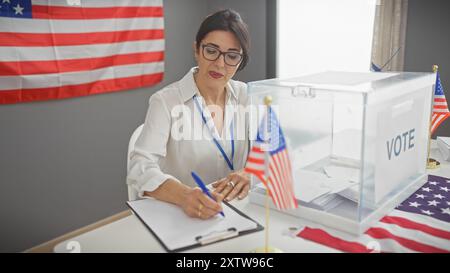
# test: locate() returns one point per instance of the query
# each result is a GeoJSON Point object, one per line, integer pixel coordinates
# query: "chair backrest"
{"type": "Point", "coordinates": [132, 193]}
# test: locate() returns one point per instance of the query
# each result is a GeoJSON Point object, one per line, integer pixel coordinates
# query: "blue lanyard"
{"type": "Point", "coordinates": [227, 159]}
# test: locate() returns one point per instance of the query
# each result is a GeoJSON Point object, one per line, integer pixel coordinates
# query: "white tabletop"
{"type": "Point", "coordinates": [130, 235]}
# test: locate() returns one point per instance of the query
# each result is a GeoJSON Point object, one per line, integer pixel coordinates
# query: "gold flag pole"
{"type": "Point", "coordinates": [267, 248]}
{"type": "Point", "coordinates": [432, 163]}
{"type": "Point", "coordinates": [267, 102]}
{"type": "Point", "coordinates": [266, 244]}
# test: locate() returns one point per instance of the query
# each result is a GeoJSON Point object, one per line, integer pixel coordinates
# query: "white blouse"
{"type": "Point", "coordinates": [175, 140]}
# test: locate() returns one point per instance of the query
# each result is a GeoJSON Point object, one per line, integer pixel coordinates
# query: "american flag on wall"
{"type": "Point", "coordinates": [420, 224]}
{"type": "Point", "coordinates": [54, 49]}
{"type": "Point", "coordinates": [270, 158]}
{"type": "Point", "coordinates": [440, 107]}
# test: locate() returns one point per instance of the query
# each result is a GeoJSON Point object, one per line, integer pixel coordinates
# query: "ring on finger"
{"type": "Point", "coordinates": [199, 213]}
{"type": "Point", "coordinates": [231, 183]}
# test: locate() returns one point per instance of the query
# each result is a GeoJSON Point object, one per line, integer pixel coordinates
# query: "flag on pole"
{"type": "Point", "coordinates": [440, 107]}
{"type": "Point", "coordinates": [374, 67]}
{"type": "Point", "coordinates": [63, 49]}
{"type": "Point", "coordinates": [276, 174]}
{"type": "Point", "coordinates": [420, 224]}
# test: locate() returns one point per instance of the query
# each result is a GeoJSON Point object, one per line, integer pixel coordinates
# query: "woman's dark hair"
{"type": "Point", "coordinates": [227, 20]}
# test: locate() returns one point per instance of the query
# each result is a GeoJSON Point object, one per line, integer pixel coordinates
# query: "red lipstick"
{"type": "Point", "coordinates": [215, 75]}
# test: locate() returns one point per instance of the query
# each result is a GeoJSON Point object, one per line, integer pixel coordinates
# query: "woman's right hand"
{"type": "Point", "coordinates": [196, 204]}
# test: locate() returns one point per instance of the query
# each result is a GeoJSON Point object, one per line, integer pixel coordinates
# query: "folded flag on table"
{"type": "Point", "coordinates": [420, 224]}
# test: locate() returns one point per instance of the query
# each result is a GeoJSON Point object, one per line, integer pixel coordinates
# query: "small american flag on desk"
{"type": "Point", "coordinates": [68, 48]}
{"type": "Point", "coordinates": [279, 171]}
{"type": "Point", "coordinates": [420, 224]}
{"type": "Point", "coordinates": [440, 107]}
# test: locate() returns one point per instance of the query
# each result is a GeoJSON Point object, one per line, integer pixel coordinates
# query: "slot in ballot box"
{"type": "Point", "coordinates": [357, 141]}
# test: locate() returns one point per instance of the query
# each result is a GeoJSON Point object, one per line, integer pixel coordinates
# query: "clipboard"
{"type": "Point", "coordinates": [201, 239]}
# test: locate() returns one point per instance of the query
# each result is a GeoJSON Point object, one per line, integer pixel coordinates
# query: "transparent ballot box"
{"type": "Point", "coordinates": [357, 142]}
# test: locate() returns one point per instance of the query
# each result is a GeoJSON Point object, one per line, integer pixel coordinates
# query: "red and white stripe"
{"type": "Point", "coordinates": [398, 232]}
{"type": "Point", "coordinates": [440, 111]}
{"type": "Point", "coordinates": [67, 51]}
{"type": "Point", "coordinates": [279, 181]}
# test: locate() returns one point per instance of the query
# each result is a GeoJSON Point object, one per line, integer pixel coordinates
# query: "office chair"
{"type": "Point", "coordinates": [132, 192]}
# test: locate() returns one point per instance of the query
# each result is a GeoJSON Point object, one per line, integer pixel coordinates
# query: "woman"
{"type": "Point", "coordinates": [169, 149]}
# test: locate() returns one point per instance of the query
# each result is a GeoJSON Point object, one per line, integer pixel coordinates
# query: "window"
{"type": "Point", "coordinates": [321, 35]}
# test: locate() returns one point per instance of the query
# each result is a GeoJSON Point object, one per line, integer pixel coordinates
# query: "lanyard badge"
{"type": "Point", "coordinates": [216, 142]}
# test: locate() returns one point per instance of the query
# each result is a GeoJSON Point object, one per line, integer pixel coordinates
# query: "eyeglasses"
{"type": "Point", "coordinates": [211, 54]}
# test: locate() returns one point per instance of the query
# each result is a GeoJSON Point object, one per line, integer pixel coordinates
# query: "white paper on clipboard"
{"type": "Point", "coordinates": [177, 230]}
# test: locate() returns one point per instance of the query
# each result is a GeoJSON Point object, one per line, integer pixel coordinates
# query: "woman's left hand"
{"type": "Point", "coordinates": [235, 184]}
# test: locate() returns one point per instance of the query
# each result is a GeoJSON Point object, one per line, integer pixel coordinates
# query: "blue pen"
{"type": "Point", "coordinates": [202, 186]}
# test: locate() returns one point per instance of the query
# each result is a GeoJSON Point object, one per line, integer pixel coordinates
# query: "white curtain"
{"type": "Point", "coordinates": [388, 46]}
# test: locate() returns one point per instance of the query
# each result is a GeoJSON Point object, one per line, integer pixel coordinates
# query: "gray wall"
{"type": "Point", "coordinates": [63, 163]}
{"type": "Point", "coordinates": [428, 43]}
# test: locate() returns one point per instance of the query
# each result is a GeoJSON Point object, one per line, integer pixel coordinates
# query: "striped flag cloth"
{"type": "Point", "coordinates": [440, 107]}
{"type": "Point", "coordinates": [420, 224]}
{"type": "Point", "coordinates": [62, 49]}
{"type": "Point", "coordinates": [277, 163]}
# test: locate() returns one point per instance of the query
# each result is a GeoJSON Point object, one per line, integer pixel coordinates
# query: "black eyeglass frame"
{"type": "Point", "coordinates": [222, 53]}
